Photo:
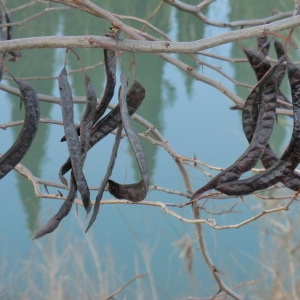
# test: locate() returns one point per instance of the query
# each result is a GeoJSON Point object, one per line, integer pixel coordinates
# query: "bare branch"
{"type": "Point", "coordinates": [141, 45]}
{"type": "Point", "coordinates": [196, 11]}
{"type": "Point", "coordinates": [34, 16]}
{"type": "Point", "coordinates": [214, 271]}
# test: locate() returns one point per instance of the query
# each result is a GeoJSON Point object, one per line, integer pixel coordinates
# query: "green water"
{"type": "Point", "coordinates": [194, 118]}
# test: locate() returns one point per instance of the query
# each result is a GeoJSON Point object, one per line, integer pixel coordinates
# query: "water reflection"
{"type": "Point", "coordinates": [193, 117]}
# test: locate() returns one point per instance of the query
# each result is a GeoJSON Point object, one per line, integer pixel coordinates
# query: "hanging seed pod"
{"type": "Point", "coordinates": [106, 177]}
{"type": "Point", "coordinates": [111, 121]}
{"type": "Point", "coordinates": [281, 73]}
{"type": "Point", "coordinates": [87, 119]}
{"type": "Point", "coordinates": [249, 115]}
{"type": "Point", "coordinates": [72, 138]}
{"type": "Point", "coordinates": [265, 120]}
{"type": "Point", "coordinates": [31, 121]}
{"type": "Point", "coordinates": [263, 45]}
{"type": "Point", "coordinates": [289, 159]}
{"type": "Point", "coordinates": [260, 66]}
{"type": "Point", "coordinates": [64, 210]}
{"type": "Point", "coordinates": [110, 68]}
{"type": "Point", "coordinates": [137, 191]}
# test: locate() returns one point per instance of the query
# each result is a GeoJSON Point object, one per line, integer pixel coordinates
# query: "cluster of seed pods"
{"type": "Point", "coordinates": [258, 116]}
{"type": "Point", "coordinates": [93, 128]}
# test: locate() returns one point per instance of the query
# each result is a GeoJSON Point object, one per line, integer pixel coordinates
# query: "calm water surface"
{"type": "Point", "coordinates": [194, 118]}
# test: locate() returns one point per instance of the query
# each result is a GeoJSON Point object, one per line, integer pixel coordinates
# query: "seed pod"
{"type": "Point", "coordinates": [265, 120]}
{"type": "Point", "coordinates": [64, 210]}
{"type": "Point", "coordinates": [263, 45]}
{"type": "Point", "coordinates": [110, 67]}
{"type": "Point", "coordinates": [106, 177]}
{"type": "Point", "coordinates": [72, 138]}
{"type": "Point", "coordinates": [260, 66]}
{"type": "Point", "coordinates": [87, 118]}
{"type": "Point", "coordinates": [281, 73]}
{"type": "Point", "coordinates": [282, 70]}
{"type": "Point", "coordinates": [85, 128]}
{"type": "Point", "coordinates": [137, 191]}
{"type": "Point", "coordinates": [289, 159]}
{"type": "Point", "coordinates": [249, 115]}
{"type": "Point", "coordinates": [31, 121]}
{"type": "Point", "coordinates": [112, 120]}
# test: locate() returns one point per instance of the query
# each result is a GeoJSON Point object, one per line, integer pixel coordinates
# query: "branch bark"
{"type": "Point", "coordinates": [142, 45]}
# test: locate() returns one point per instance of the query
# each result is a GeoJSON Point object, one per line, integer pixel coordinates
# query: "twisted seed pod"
{"type": "Point", "coordinates": [137, 191]}
{"type": "Point", "coordinates": [266, 116]}
{"type": "Point", "coordinates": [250, 111]}
{"type": "Point", "coordinates": [111, 121]}
{"type": "Point", "coordinates": [289, 159]}
{"type": "Point", "coordinates": [85, 128]}
{"type": "Point", "coordinates": [110, 67]}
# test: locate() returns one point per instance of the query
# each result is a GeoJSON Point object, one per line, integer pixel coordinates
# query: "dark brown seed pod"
{"type": "Point", "coordinates": [64, 210]}
{"type": "Point", "coordinates": [31, 121]}
{"type": "Point", "coordinates": [263, 45]}
{"type": "Point", "coordinates": [258, 62]}
{"type": "Point", "coordinates": [289, 159]}
{"type": "Point", "coordinates": [87, 119]}
{"type": "Point", "coordinates": [106, 177]}
{"type": "Point", "coordinates": [134, 192]}
{"type": "Point", "coordinates": [85, 128]}
{"type": "Point", "coordinates": [260, 66]}
{"type": "Point", "coordinates": [9, 27]}
{"type": "Point", "coordinates": [249, 115]}
{"type": "Point", "coordinates": [72, 138]}
{"type": "Point", "coordinates": [279, 48]}
{"type": "Point", "coordinates": [110, 67]}
{"type": "Point", "coordinates": [137, 191]}
{"type": "Point", "coordinates": [112, 120]}
{"type": "Point", "coordinates": [265, 120]}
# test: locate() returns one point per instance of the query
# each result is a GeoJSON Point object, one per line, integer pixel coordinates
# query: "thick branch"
{"type": "Point", "coordinates": [147, 46]}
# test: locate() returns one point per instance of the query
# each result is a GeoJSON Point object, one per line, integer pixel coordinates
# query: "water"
{"type": "Point", "coordinates": [193, 117]}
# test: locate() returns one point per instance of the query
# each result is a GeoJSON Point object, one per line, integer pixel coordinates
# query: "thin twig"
{"type": "Point", "coordinates": [124, 286]}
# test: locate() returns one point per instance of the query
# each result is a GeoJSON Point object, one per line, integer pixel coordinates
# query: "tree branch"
{"type": "Point", "coordinates": [196, 11]}
{"type": "Point", "coordinates": [141, 45]}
